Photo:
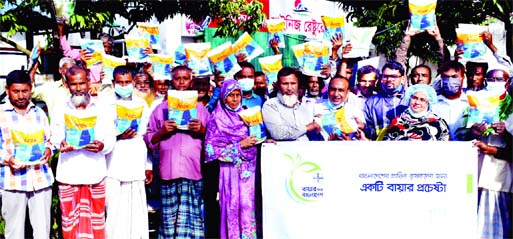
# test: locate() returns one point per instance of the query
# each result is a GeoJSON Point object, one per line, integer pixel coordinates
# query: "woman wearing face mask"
{"type": "Point", "coordinates": [418, 122]}
{"type": "Point", "coordinates": [228, 141]}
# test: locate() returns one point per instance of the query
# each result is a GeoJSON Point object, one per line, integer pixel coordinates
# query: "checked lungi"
{"type": "Point", "coordinates": [182, 209]}
{"type": "Point", "coordinates": [83, 210]}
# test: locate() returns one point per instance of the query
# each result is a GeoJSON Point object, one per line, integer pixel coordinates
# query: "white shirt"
{"type": "Point", "coordinates": [287, 124]}
{"type": "Point", "coordinates": [129, 158]}
{"type": "Point", "coordinates": [81, 166]}
{"type": "Point", "coordinates": [453, 112]}
{"type": "Point", "coordinates": [52, 93]}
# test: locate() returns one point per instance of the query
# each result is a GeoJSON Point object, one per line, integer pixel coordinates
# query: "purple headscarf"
{"type": "Point", "coordinates": [225, 127]}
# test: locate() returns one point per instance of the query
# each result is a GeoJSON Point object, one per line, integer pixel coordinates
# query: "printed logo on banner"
{"type": "Point", "coordinates": [305, 183]}
{"type": "Point", "coordinates": [299, 7]}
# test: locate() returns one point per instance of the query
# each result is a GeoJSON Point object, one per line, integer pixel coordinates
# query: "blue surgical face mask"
{"type": "Point", "coordinates": [124, 91]}
{"type": "Point", "coordinates": [451, 86]}
{"type": "Point", "coordinates": [246, 84]}
{"type": "Point", "coordinates": [391, 92]}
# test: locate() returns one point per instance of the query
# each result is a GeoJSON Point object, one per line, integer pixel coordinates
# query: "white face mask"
{"type": "Point", "coordinates": [246, 84]}
{"type": "Point", "coordinates": [124, 91]}
{"type": "Point", "coordinates": [498, 87]}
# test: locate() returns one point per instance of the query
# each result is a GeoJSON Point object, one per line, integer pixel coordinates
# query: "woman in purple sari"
{"type": "Point", "coordinates": [228, 141]}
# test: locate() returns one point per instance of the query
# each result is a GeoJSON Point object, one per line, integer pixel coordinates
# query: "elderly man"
{"type": "Point", "coordinates": [382, 108]}
{"type": "Point", "coordinates": [494, 211]}
{"type": "Point", "coordinates": [180, 156]}
{"type": "Point", "coordinates": [128, 165]}
{"type": "Point", "coordinates": [25, 176]}
{"type": "Point", "coordinates": [83, 130]}
{"type": "Point", "coordinates": [314, 86]}
{"type": "Point", "coordinates": [54, 92]}
{"type": "Point", "coordinates": [338, 95]}
{"type": "Point", "coordinates": [286, 118]}
{"type": "Point", "coordinates": [496, 78]}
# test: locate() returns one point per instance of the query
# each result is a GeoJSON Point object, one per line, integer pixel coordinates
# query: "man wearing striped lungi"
{"type": "Point", "coordinates": [180, 152]}
{"type": "Point", "coordinates": [83, 129]}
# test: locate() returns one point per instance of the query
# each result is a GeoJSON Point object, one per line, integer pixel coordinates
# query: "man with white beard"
{"type": "Point", "coordinates": [84, 131]}
{"type": "Point", "coordinates": [285, 117]}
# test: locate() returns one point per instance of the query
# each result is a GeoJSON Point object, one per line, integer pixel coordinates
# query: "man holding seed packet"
{"type": "Point", "coordinates": [177, 129]}
{"type": "Point", "coordinates": [25, 176]}
{"type": "Point", "coordinates": [83, 129]}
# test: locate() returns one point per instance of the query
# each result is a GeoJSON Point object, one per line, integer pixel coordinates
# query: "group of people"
{"type": "Point", "coordinates": [208, 171]}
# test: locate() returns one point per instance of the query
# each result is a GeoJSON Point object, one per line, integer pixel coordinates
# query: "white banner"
{"type": "Point", "coordinates": [304, 17]}
{"type": "Point", "coordinates": [369, 190]}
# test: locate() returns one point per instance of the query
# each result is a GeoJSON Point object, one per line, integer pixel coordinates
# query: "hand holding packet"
{"type": "Point", "coordinates": [223, 59]}
{"type": "Point", "coordinates": [95, 48]}
{"type": "Point", "coordinates": [422, 15]}
{"type": "Point", "coordinates": [253, 118]}
{"type": "Point", "coordinates": [315, 56]}
{"type": "Point", "coordinates": [270, 66]}
{"type": "Point", "coordinates": [246, 45]}
{"type": "Point", "coordinates": [469, 40]}
{"type": "Point", "coordinates": [150, 32]}
{"type": "Point", "coordinates": [197, 58]}
{"type": "Point", "coordinates": [128, 116]}
{"type": "Point", "coordinates": [79, 130]}
{"type": "Point", "coordinates": [333, 26]}
{"type": "Point", "coordinates": [29, 144]}
{"type": "Point", "coordinates": [161, 65]}
{"type": "Point", "coordinates": [484, 106]}
{"type": "Point", "coordinates": [182, 107]}
{"type": "Point", "coordinates": [136, 48]}
{"type": "Point", "coordinates": [339, 122]}
{"type": "Point", "coordinates": [275, 27]}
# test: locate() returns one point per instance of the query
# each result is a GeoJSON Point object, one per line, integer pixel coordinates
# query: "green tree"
{"type": "Point", "coordinates": [391, 17]}
{"type": "Point", "coordinates": [36, 16]}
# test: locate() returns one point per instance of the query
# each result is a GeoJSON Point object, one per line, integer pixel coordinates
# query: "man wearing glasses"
{"type": "Point", "coordinates": [382, 108]}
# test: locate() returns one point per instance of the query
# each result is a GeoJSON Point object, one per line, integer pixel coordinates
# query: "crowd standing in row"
{"type": "Point", "coordinates": [102, 183]}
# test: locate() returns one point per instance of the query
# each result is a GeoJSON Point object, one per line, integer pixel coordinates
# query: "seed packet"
{"type": "Point", "coordinates": [245, 44]}
{"type": "Point", "coordinates": [270, 66]}
{"type": "Point", "coordinates": [197, 58]}
{"type": "Point", "coordinates": [422, 15]}
{"type": "Point", "coordinates": [223, 59]}
{"type": "Point", "coordinates": [275, 28]}
{"type": "Point", "coordinates": [79, 130]}
{"type": "Point", "coordinates": [136, 47]}
{"type": "Point", "coordinates": [161, 65]}
{"type": "Point", "coordinates": [109, 63]}
{"type": "Point", "coordinates": [253, 118]}
{"type": "Point", "coordinates": [182, 107]}
{"type": "Point", "coordinates": [95, 48]}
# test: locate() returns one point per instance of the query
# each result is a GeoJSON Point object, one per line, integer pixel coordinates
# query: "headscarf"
{"type": "Point", "coordinates": [427, 89]}
{"type": "Point", "coordinates": [225, 127]}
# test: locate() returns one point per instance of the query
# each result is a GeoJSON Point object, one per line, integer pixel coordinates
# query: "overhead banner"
{"type": "Point", "coordinates": [369, 190]}
{"type": "Point", "coordinates": [303, 16]}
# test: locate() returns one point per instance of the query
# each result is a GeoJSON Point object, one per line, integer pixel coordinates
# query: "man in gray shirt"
{"type": "Point", "coordinates": [285, 117]}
